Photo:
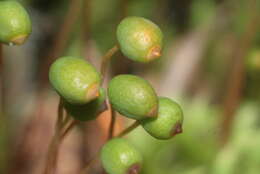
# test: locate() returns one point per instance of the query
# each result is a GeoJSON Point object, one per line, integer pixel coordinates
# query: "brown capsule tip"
{"type": "Point", "coordinates": [177, 129]}
{"type": "Point", "coordinates": [134, 169]}
{"type": "Point", "coordinates": [92, 92]}
{"type": "Point", "coordinates": [155, 52]}
{"type": "Point", "coordinates": [19, 40]}
{"type": "Point", "coordinates": [153, 112]}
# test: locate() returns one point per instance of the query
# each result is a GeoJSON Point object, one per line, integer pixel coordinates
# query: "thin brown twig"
{"type": "Point", "coordinates": [237, 76]}
{"type": "Point", "coordinates": [66, 120]}
{"type": "Point", "coordinates": [50, 166]}
{"type": "Point", "coordinates": [129, 129]}
{"type": "Point", "coordinates": [53, 147]}
{"type": "Point", "coordinates": [89, 164]}
{"type": "Point", "coordinates": [60, 132]}
{"type": "Point", "coordinates": [106, 59]}
{"type": "Point", "coordinates": [85, 29]}
{"type": "Point", "coordinates": [112, 124]}
{"type": "Point", "coordinates": [60, 114]}
{"type": "Point", "coordinates": [68, 129]}
{"type": "Point", "coordinates": [2, 80]}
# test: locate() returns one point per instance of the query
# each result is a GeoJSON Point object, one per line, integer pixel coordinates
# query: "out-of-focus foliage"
{"type": "Point", "coordinates": [241, 154]}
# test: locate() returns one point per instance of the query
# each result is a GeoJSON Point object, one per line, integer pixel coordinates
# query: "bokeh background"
{"type": "Point", "coordinates": [210, 66]}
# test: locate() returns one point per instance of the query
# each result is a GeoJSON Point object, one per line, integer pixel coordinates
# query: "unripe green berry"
{"type": "Point", "coordinates": [169, 120]}
{"type": "Point", "coordinates": [133, 97]}
{"type": "Point", "coordinates": [139, 39]}
{"type": "Point", "coordinates": [87, 111]}
{"type": "Point", "coordinates": [119, 157]}
{"type": "Point", "coordinates": [76, 80]}
{"type": "Point", "coordinates": [15, 24]}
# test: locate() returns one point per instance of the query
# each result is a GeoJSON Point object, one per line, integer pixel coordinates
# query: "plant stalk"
{"type": "Point", "coordinates": [61, 130]}
{"type": "Point", "coordinates": [112, 123]}
{"type": "Point", "coordinates": [129, 129]}
{"type": "Point", "coordinates": [104, 62]}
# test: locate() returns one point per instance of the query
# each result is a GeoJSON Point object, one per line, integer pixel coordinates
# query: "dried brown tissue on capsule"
{"type": "Point", "coordinates": [177, 129]}
{"type": "Point", "coordinates": [134, 169]}
{"type": "Point", "coordinates": [155, 52]}
{"type": "Point", "coordinates": [18, 40]}
{"type": "Point", "coordinates": [93, 91]}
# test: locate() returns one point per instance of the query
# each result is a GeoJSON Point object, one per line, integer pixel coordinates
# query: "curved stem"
{"type": "Point", "coordinates": [60, 115]}
{"type": "Point", "coordinates": [129, 129]}
{"type": "Point", "coordinates": [68, 129]}
{"type": "Point", "coordinates": [53, 147]}
{"type": "Point", "coordinates": [63, 127]}
{"type": "Point", "coordinates": [89, 164]}
{"type": "Point", "coordinates": [106, 59]}
{"type": "Point", "coordinates": [112, 123]}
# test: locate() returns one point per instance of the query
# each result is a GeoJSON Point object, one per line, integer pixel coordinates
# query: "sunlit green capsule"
{"type": "Point", "coordinates": [15, 23]}
{"type": "Point", "coordinates": [168, 122]}
{"type": "Point", "coordinates": [133, 97]}
{"type": "Point", "coordinates": [139, 39]}
{"type": "Point", "coordinates": [120, 157]}
{"type": "Point", "coordinates": [76, 80]}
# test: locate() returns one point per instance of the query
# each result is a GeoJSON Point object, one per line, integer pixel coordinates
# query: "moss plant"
{"type": "Point", "coordinates": [133, 97]}
{"type": "Point", "coordinates": [78, 83]}
{"type": "Point", "coordinates": [15, 23]}
{"type": "Point", "coordinates": [139, 39]}
{"type": "Point", "coordinates": [120, 157]}
{"type": "Point", "coordinates": [169, 120]}
{"type": "Point", "coordinates": [76, 80]}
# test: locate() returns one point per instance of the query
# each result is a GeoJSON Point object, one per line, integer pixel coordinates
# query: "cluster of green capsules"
{"type": "Point", "coordinates": [78, 82]}
{"type": "Point", "coordinates": [79, 85]}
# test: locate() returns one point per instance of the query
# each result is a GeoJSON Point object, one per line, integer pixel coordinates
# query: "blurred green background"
{"type": "Point", "coordinates": [210, 65]}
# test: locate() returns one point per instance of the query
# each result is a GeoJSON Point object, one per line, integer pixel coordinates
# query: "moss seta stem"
{"type": "Point", "coordinates": [106, 58]}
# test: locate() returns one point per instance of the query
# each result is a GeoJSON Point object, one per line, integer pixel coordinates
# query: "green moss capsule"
{"type": "Point", "coordinates": [15, 24]}
{"type": "Point", "coordinates": [133, 97]}
{"type": "Point", "coordinates": [76, 80]}
{"type": "Point", "coordinates": [87, 111]}
{"type": "Point", "coordinates": [169, 120]}
{"type": "Point", "coordinates": [119, 157]}
{"type": "Point", "coordinates": [139, 39]}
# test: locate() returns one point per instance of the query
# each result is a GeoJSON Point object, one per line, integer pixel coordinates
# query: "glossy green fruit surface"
{"type": "Point", "coordinates": [120, 157]}
{"type": "Point", "coordinates": [87, 111]}
{"type": "Point", "coordinates": [133, 97]}
{"type": "Point", "coordinates": [139, 39]}
{"type": "Point", "coordinates": [15, 24]}
{"type": "Point", "coordinates": [76, 80]}
{"type": "Point", "coordinates": [169, 120]}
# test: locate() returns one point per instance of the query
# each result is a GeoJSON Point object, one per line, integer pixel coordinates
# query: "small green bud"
{"type": "Point", "coordinates": [133, 97]}
{"type": "Point", "coordinates": [169, 120]}
{"type": "Point", "coordinates": [76, 80]}
{"type": "Point", "coordinates": [139, 39]}
{"type": "Point", "coordinates": [15, 24]}
{"type": "Point", "coordinates": [88, 111]}
{"type": "Point", "coordinates": [119, 157]}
